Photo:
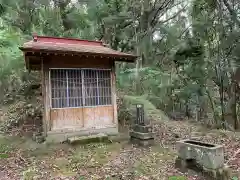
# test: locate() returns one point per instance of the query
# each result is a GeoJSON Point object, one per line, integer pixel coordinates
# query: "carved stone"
{"type": "Point", "coordinates": [223, 173]}
{"type": "Point", "coordinates": [203, 157]}
{"type": "Point", "coordinates": [207, 155]}
{"type": "Point", "coordinates": [181, 164]}
{"type": "Point", "coordinates": [142, 133]}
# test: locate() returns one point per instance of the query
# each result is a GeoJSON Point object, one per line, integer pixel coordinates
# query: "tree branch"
{"type": "Point", "coordinates": [172, 17]}
{"type": "Point", "coordinates": [232, 12]}
{"type": "Point", "coordinates": [185, 30]}
{"type": "Point", "coordinates": [175, 15]}
{"type": "Point", "coordinates": [158, 11]}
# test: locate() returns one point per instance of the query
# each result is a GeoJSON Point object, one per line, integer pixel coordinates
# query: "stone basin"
{"type": "Point", "coordinates": [207, 155]}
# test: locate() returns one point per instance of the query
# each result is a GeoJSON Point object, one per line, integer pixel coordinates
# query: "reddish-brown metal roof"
{"type": "Point", "coordinates": [70, 45]}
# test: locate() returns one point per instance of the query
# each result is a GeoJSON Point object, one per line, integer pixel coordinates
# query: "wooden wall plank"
{"type": "Point", "coordinates": [103, 116]}
{"type": "Point", "coordinates": [77, 62]}
{"type": "Point", "coordinates": [67, 118]}
{"type": "Point", "coordinates": [98, 117]}
{"type": "Point", "coordinates": [89, 117]}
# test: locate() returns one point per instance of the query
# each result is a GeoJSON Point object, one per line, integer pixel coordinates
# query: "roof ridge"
{"type": "Point", "coordinates": [62, 43]}
{"type": "Point", "coordinates": [35, 36]}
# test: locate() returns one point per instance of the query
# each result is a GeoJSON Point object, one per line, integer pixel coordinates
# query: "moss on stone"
{"type": "Point", "coordinates": [88, 139]}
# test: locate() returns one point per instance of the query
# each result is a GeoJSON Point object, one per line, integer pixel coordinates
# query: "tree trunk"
{"type": "Point", "coordinates": [212, 107]}
{"type": "Point", "coordinates": [221, 92]}
{"type": "Point", "coordinates": [187, 110]}
{"type": "Point", "coordinates": [138, 90]}
{"type": "Point", "coordinates": [233, 105]}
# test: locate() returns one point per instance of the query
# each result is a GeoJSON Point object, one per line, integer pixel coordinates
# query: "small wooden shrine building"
{"type": "Point", "coordinates": [78, 84]}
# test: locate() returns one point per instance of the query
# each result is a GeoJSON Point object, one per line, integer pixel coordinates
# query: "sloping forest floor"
{"type": "Point", "coordinates": [117, 160]}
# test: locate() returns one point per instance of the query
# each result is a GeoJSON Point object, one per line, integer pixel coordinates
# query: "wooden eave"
{"type": "Point", "coordinates": [34, 58]}
{"type": "Point", "coordinates": [123, 58]}
{"type": "Point", "coordinates": [37, 50]}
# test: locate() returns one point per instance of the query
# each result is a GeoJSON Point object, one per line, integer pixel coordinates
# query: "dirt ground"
{"type": "Point", "coordinates": [117, 160]}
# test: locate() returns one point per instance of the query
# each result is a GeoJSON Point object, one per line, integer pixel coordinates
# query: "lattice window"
{"type": "Point", "coordinates": [80, 87]}
{"type": "Point", "coordinates": [104, 87]}
{"type": "Point", "coordinates": [59, 88]}
{"type": "Point", "coordinates": [74, 79]}
{"type": "Point", "coordinates": [90, 87]}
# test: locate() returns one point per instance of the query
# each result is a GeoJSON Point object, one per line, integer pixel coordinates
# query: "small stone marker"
{"type": "Point", "coordinates": [142, 133]}
{"type": "Point", "coordinates": [140, 114]}
{"type": "Point", "coordinates": [208, 158]}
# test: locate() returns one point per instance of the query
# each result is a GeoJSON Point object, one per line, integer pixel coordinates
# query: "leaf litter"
{"type": "Point", "coordinates": [118, 160]}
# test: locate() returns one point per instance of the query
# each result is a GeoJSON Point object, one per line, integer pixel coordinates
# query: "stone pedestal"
{"type": "Point", "coordinates": [143, 128]}
{"type": "Point", "coordinates": [142, 135]}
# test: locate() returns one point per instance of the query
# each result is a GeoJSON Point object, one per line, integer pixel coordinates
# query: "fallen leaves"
{"type": "Point", "coordinates": [117, 160]}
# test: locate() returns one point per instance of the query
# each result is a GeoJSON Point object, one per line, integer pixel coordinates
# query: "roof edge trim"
{"type": "Point", "coordinates": [129, 57]}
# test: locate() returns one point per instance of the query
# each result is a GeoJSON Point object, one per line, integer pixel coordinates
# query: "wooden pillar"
{"type": "Point", "coordinates": [47, 104]}
{"type": "Point", "coordinates": [114, 96]}
{"type": "Point", "coordinates": [44, 99]}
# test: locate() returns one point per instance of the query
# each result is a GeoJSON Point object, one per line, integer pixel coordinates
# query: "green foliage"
{"type": "Point", "coordinates": [185, 62]}
{"type": "Point", "coordinates": [192, 49]}
{"type": "Point", "coordinates": [127, 108]}
{"type": "Point", "coordinates": [177, 178]}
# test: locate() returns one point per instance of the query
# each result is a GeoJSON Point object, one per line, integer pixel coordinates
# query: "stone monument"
{"type": "Point", "coordinates": [142, 131]}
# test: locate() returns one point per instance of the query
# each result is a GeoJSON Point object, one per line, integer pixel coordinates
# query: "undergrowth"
{"type": "Point", "coordinates": [127, 109]}
{"type": "Point", "coordinates": [24, 106]}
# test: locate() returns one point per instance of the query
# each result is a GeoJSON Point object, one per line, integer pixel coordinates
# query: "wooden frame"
{"type": "Point", "coordinates": [102, 109]}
